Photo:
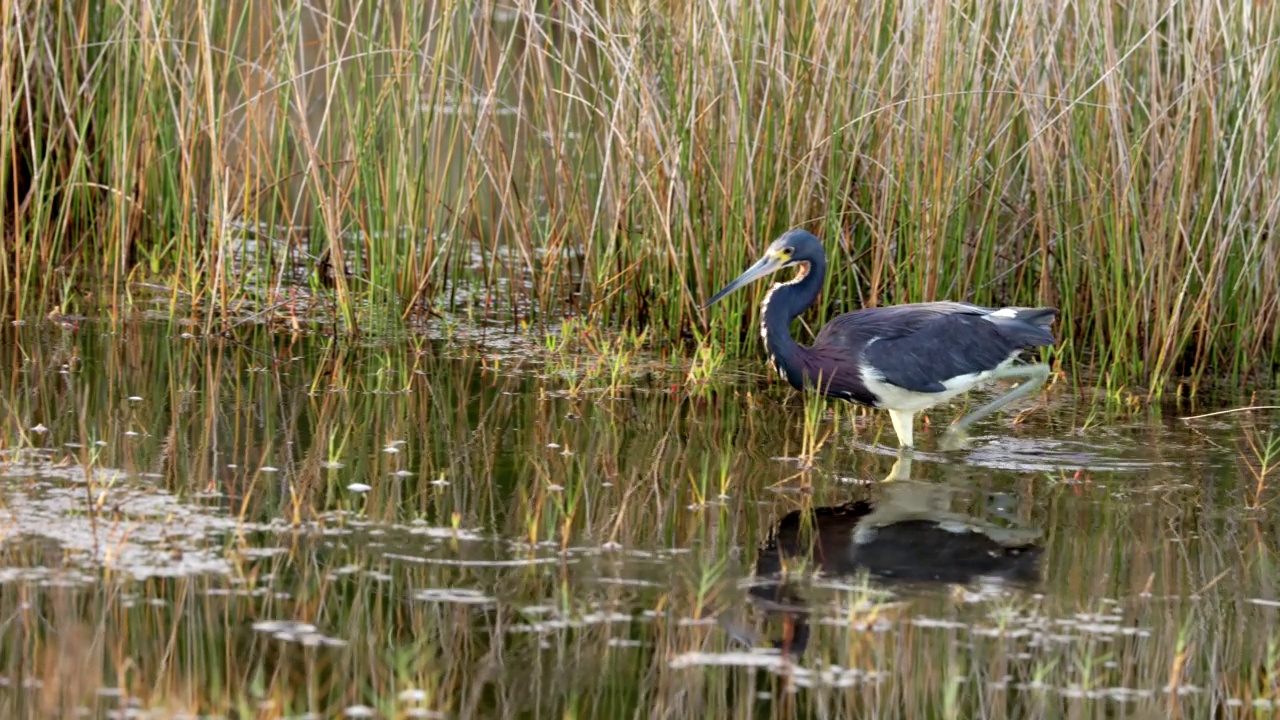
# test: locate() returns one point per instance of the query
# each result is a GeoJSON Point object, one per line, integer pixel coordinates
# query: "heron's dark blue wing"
{"type": "Point", "coordinates": [918, 347]}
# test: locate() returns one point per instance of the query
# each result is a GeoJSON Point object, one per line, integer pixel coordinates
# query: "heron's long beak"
{"type": "Point", "coordinates": [768, 264]}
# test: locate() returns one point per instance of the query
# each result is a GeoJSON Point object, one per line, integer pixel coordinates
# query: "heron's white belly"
{"type": "Point", "coordinates": [898, 398]}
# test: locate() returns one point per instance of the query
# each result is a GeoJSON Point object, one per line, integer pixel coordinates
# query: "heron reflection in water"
{"type": "Point", "coordinates": [906, 540]}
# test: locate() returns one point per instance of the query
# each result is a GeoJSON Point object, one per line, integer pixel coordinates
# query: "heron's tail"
{"type": "Point", "coordinates": [1040, 317]}
{"type": "Point", "coordinates": [1026, 327]}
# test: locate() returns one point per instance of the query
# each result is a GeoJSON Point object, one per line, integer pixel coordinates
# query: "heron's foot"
{"type": "Point", "coordinates": [955, 438]}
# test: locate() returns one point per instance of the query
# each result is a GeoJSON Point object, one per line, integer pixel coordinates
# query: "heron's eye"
{"type": "Point", "coordinates": [787, 251]}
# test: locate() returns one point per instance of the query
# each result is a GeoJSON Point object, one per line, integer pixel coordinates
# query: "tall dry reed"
{"type": "Point", "coordinates": [620, 161]}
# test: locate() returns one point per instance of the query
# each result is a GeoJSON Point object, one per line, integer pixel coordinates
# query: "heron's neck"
{"type": "Point", "coordinates": [783, 303]}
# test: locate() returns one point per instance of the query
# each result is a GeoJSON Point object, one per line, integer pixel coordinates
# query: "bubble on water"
{"type": "Point", "coordinates": [926, 622]}
{"type": "Point", "coordinates": [760, 659]}
{"type": "Point", "coordinates": [444, 533]}
{"type": "Point", "coordinates": [773, 661]}
{"type": "Point", "coordinates": [626, 643]}
{"type": "Point", "coordinates": [462, 596]}
{"type": "Point", "coordinates": [628, 582]}
{"type": "Point", "coordinates": [299, 632]}
{"type": "Point", "coordinates": [603, 617]}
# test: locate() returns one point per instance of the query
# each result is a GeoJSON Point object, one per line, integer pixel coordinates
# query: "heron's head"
{"type": "Point", "coordinates": [794, 248]}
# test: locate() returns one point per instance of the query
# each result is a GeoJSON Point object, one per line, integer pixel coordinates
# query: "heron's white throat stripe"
{"type": "Point", "coordinates": [773, 365]}
{"type": "Point", "coordinates": [764, 304]}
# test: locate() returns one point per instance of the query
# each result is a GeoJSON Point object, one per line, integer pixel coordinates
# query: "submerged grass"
{"type": "Point", "coordinates": [518, 549]}
{"type": "Point", "coordinates": [619, 162]}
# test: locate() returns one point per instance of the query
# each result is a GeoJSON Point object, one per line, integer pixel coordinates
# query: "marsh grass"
{"type": "Point", "coordinates": [522, 551]}
{"type": "Point", "coordinates": [619, 162]}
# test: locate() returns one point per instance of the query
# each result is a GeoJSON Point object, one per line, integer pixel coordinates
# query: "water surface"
{"type": "Point", "coordinates": [278, 525]}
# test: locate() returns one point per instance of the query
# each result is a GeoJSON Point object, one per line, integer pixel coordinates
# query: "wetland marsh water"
{"type": "Point", "coordinates": [289, 526]}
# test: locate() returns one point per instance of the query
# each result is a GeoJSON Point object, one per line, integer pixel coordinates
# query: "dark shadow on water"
{"type": "Point", "coordinates": [905, 542]}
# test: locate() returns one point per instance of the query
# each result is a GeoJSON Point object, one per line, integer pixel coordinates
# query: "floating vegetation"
{"type": "Point", "coordinates": [110, 524]}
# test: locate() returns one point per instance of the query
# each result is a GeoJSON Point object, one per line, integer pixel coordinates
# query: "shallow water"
{"type": "Point", "coordinates": [273, 525]}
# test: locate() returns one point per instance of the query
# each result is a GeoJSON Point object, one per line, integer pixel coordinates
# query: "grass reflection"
{"type": "Point", "coordinates": [179, 533]}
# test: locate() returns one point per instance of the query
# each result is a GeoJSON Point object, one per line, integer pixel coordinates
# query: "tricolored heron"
{"type": "Point", "coordinates": [904, 358]}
